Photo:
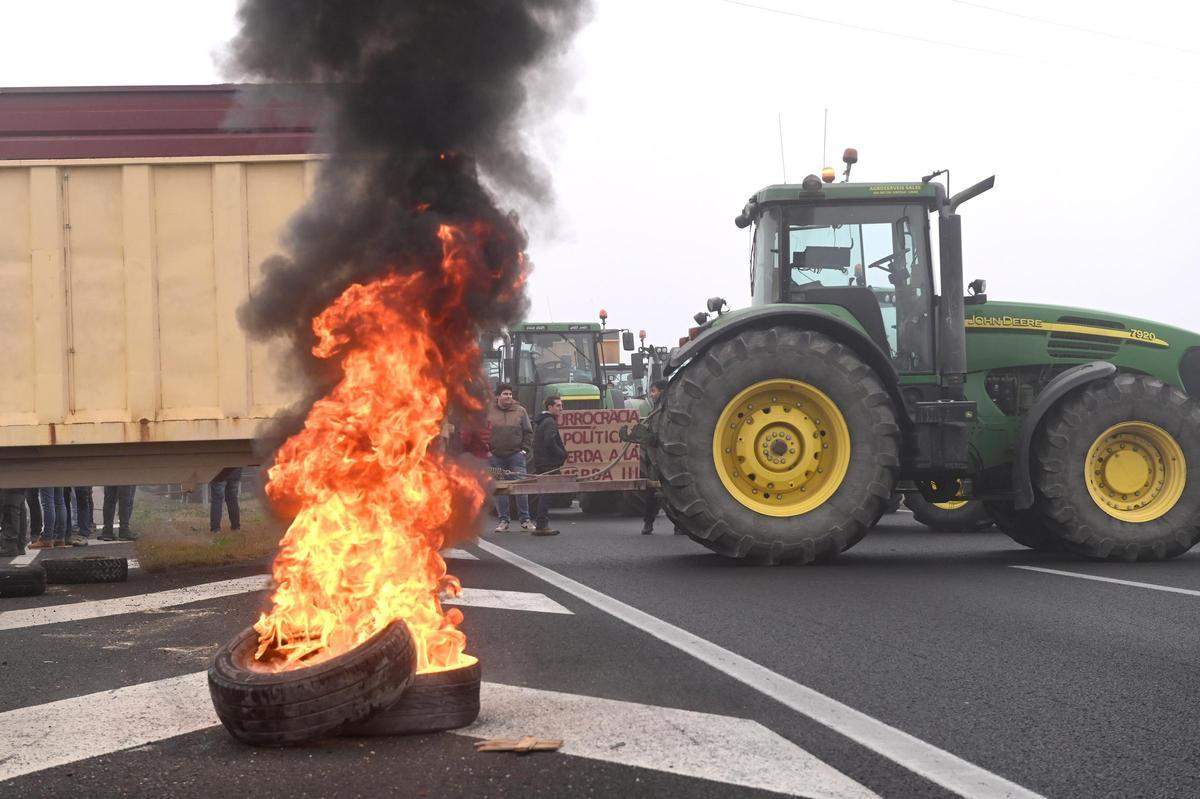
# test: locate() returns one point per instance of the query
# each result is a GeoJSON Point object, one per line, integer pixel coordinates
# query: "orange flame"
{"type": "Point", "coordinates": [373, 500]}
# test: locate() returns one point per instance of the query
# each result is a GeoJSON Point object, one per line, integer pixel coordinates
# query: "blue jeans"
{"type": "Point", "coordinates": [115, 496]}
{"type": "Point", "coordinates": [512, 463]}
{"type": "Point", "coordinates": [54, 514]}
{"type": "Point", "coordinates": [226, 489]}
{"type": "Point", "coordinates": [84, 510]}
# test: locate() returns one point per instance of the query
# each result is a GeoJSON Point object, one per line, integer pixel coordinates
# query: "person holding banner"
{"type": "Point", "coordinates": [549, 454]}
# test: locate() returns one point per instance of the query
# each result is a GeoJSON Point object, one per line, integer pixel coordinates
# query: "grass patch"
{"type": "Point", "coordinates": [174, 534]}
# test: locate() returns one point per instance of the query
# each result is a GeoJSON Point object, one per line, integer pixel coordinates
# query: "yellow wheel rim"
{"type": "Point", "coordinates": [1135, 471]}
{"type": "Point", "coordinates": [781, 447]}
{"type": "Point", "coordinates": [953, 504]}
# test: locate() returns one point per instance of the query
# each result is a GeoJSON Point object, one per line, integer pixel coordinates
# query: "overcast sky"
{"type": "Point", "coordinates": [1081, 110]}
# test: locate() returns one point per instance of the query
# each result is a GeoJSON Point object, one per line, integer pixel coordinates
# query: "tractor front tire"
{"type": "Point", "coordinates": [741, 436]}
{"type": "Point", "coordinates": [955, 516]}
{"type": "Point", "coordinates": [1112, 470]}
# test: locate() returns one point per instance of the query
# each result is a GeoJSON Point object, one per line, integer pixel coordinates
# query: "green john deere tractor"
{"type": "Point", "coordinates": [787, 426]}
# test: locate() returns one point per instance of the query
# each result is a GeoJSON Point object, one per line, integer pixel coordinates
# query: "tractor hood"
{"type": "Point", "coordinates": [1003, 334]}
{"type": "Point", "coordinates": [1050, 319]}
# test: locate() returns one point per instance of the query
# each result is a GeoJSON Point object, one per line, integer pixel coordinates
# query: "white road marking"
{"type": "Point", "coordinates": [934, 764]}
{"type": "Point", "coordinates": [27, 558]}
{"type": "Point", "coordinates": [458, 554]}
{"type": "Point", "coordinates": [506, 600]}
{"type": "Point", "coordinates": [77, 611]}
{"type": "Point", "coordinates": [104, 722]}
{"type": "Point", "coordinates": [1151, 586]}
{"type": "Point", "coordinates": [718, 748]}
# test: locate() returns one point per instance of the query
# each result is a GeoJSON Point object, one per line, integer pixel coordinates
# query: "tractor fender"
{"type": "Point", "coordinates": [805, 318]}
{"type": "Point", "coordinates": [1055, 390]}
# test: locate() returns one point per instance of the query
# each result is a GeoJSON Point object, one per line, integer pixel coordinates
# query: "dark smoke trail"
{"type": "Point", "coordinates": [428, 95]}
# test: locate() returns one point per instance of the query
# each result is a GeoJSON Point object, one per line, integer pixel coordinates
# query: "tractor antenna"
{"type": "Point", "coordinates": [825, 137]}
{"type": "Point", "coordinates": [782, 163]}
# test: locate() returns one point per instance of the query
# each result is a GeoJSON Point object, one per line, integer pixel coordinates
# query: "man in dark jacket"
{"type": "Point", "coordinates": [549, 455]}
{"type": "Point", "coordinates": [656, 391]}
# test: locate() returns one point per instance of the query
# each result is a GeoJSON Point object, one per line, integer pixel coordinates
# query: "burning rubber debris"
{"type": "Point", "coordinates": [399, 260]}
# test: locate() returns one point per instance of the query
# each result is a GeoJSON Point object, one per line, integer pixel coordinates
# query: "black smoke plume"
{"type": "Point", "coordinates": [428, 97]}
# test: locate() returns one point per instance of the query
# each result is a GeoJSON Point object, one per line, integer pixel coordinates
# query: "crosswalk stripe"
{"type": "Point", "coordinates": [718, 748]}
{"type": "Point", "coordinates": [711, 747]}
{"type": "Point", "coordinates": [458, 554]}
{"type": "Point", "coordinates": [506, 600]}
{"type": "Point", "coordinates": [95, 609]}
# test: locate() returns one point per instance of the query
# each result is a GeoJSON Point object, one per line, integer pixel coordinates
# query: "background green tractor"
{"type": "Point", "coordinates": [787, 425]}
{"type": "Point", "coordinates": [566, 359]}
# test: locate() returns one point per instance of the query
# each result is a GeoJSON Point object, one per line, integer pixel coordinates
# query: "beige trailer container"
{"type": "Point", "coordinates": [120, 279]}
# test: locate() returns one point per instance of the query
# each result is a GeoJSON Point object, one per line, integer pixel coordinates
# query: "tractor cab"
{"type": "Point", "coordinates": [544, 358]}
{"type": "Point", "coordinates": [860, 251]}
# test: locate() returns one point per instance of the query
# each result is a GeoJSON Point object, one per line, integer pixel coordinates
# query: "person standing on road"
{"type": "Point", "coordinates": [33, 504]}
{"type": "Point", "coordinates": [54, 520]}
{"type": "Point", "coordinates": [657, 388]}
{"type": "Point", "coordinates": [511, 437]}
{"type": "Point", "coordinates": [549, 454]}
{"type": "Point", "coordinates": [84, 513]}
{"type": "Point", "coordinates": [115, 496]}
{"type": "Point", "coordinates": [12, 502]}
{"type": "Point", "coordinates": [226, 487]}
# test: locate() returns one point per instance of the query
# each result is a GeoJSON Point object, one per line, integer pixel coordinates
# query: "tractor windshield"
{"type": "Point", "coordinates": [551, 357]}
{"type": "Point", "coordinates": [872, 261]}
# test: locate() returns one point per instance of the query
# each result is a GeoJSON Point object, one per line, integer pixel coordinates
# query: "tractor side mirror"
{"type": "Point", "coordinates": [627, 341]}
{"type": "Point", "coordinates": [638, 363]}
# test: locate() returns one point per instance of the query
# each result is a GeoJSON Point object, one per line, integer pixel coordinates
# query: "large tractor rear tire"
{"type": "Point", "coordinates": [1112, 470]}
{"type": "Point", "coordinates": [777, 445]}
{"type": "Point", "coordinates": [1026, 527]}
{"type": "Point", "coordinates": [953, 516]}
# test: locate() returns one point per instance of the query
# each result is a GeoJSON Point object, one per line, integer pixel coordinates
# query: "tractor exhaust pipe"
{"type": "Point", "coordinates": [952, 332]}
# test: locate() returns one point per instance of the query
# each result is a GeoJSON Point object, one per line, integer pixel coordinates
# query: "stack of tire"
{"type": "Point", "coordinates": [371, 690]}
{"type": "Point", "coordinates": [32, 579]}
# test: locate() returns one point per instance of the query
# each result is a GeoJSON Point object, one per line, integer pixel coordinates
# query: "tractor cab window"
{"type": "Point", "coordinates": [547, 358]}
{"type": "Point", "coordinates": [872, 261]}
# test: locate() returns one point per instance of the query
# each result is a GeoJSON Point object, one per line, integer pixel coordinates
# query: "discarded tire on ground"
{"type": "Point", "coordinates": [291, 707]}
{"type": "Point", "coordinates": [94, 569]}
{"type": "Point", "coordinates": [22, 580]}
{"type": "Point", "coordinates": [953, 516]}
{"type": "Point", "coordinates": [439, 700]}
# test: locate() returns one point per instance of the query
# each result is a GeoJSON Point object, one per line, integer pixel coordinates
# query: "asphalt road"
{"type": "Point", "coordinates": [917, 664]}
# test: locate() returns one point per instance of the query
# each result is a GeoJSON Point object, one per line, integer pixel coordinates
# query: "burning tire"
{"type": "Point", "coordinates": [1113, 467]}
{"type": "Point", "coordinates": [92, 569]}
{"type": "Point", "coordinates": [22, 580]}
{"type": "Point", "coordinates": [777, 445]}
{"type": "Point", "coordinates": [440, 700]}
{"type": "Point", "coordinates": [290, 707]}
